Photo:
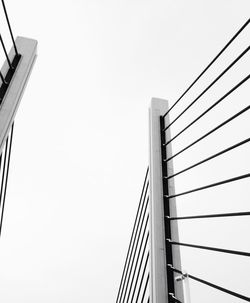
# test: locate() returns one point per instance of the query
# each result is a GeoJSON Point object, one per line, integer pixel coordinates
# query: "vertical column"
{"type": "Point", "coordinates": [159, 254]}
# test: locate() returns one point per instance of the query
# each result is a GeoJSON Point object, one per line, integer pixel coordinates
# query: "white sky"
{"type": "Point", "coordinates": [80, 146]}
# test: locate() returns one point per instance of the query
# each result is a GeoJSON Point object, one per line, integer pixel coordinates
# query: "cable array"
{"type": "Point", "coordinates": [135, 277]}
{"type": "Point", "coordinates": [208, 66]}
{"type": "Point", "coordinates": [166, 158]}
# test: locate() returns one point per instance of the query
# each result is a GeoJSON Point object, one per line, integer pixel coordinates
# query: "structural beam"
{"type": "Point", "coordinates": [159, 291]}
{"type": "Point", "coordinates": [27, 49]}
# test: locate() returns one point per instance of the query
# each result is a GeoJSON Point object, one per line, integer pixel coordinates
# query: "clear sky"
{"type": "Point", "coordinates": [80, 147]}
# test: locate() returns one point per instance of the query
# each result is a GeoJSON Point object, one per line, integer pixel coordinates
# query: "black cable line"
{"type": "Point", "coordinates": [210, 158]}
{"type": "Point", "coordinates": [133, 232]}
{"type": "Point", "coordinates": [209, 86]}
{"type": "Point", "coordinates": [135, 251]}
{"type": "Point", "coordinates": [237, 214]}
{"type": "Point", "coordinates": [8, 22]}
{"type": "Point", "coordinates": [209, 185]}
{"type": "Point", "coordinates": [140, 222]}
{"type": "Point", "coordinates": [137, 260]}
{"type": "Point", "coordinates": [7, 174]}
{"type": "Point", "coordinates": [212, 285]}
{"type": "Point", "coordinates": [5, 52]}
{"type": "Point", "coordinates": [142, 276]}
{"type": "Point", "coordinates": [134, 242]}
{"type": "Point", "coordinates": [209, 109]}
{"type": "Point", "coordinates": [227, 251]}
{"type": "Point", "coordinates": [145, 288]}
{"type": "Point", "coordinates": [215, 58]}
{"type": "Point", "coordinates": [2, 78]}
{"type": "Point", "coordinates": [3, 172]}
{"type": "Point", "coordinates": [138, 273]}
{"type": "Point", "coordinates": [209, 133]}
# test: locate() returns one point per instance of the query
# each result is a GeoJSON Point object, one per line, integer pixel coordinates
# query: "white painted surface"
{"type": "Point", "coordinates": [187, 288]}
{"type": "Point", "coordinates": [159, 292]}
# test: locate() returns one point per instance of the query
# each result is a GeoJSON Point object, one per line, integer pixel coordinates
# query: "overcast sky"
{"type": "Point", "coordinates": [80, 147]}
